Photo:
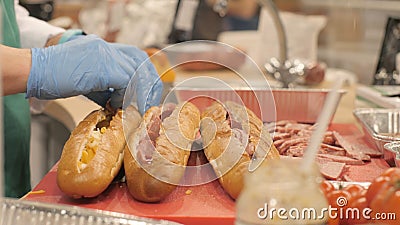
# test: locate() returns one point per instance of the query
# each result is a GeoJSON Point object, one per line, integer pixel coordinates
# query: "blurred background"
{"type": "Point", "coordinates": [351, 38]}
{"type": "Point", "coordinates": [343, 34]}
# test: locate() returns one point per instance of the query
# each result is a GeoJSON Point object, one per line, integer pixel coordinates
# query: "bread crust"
{"type": "Point", "coordinates": [107, 161]}
{"type": "Point", "coordinates": [227, 153]}
{"type": "Point", "coordinates": [153, 181]}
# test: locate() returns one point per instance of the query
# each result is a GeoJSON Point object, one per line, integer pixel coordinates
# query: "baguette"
{"type": "Point", "coordinates": [157, 152]}
{"type": "Point", "coordinates": [93, 154]}
{"type": "Point", "coordinates": [232, 136]}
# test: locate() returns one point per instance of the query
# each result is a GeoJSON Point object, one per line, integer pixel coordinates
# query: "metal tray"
{"type": "Point", "coordinates": [381, 126]}
{"type": "Point", "coordinates": [22, 212]}
{"type": "Point", "coordinates": [395, 148]}
{"type": "Point", "coordinates": [342, 184]}
{"type": "Point", "coordinates": [302, 105]}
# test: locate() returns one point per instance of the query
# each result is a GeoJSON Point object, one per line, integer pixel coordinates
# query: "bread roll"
{"type": "Point", "coordinates": [232, 136]}
{"type": "Point", "coordinates": [93, 154]}
{"type": "Point", "coordinates": [157, 153]}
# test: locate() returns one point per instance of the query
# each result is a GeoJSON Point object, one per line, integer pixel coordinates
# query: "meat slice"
{"type": "Point", "coordinates": [280, 130]}
{"type": "Point", "coordinates": [320, 160]}
{"type": "Point", "coordinates": [305, 133]}
{"type": "Point", "coordinates": [167, 110]}
{"type": "Point", "coordinates": [332, 150]}
{"type": "Point", "coordinates": [360, 145]}
{"type": "Point", "coordinates": [366, 173]}
{"type": "Point", "coordinates": [278, 144]}
{"type": "Point", "coordinates": [328, 138]}
{"type": "Point", "coordinates": [145, 151]}
{"type": "Point", "coordinates": [153, 128]}
{"type": "Point", "coordinates": [287, 143]}
{"type": "Point", "coordinates": [341, 159]}
{"type": "Point", "coordinates": [296, 150]}
{"type": "Point", "coordinates": [280, 136]}
{"type": "Point", "coordinates": [332, 170]}
{"type": "Point", "coordinates": [356, 153]}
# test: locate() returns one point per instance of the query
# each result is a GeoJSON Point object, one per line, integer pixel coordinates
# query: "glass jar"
{"type": "Point", "coordinates": [279, 192]}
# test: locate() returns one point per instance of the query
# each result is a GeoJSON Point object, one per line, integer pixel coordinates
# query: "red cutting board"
{"type": "Point", "coordinates": [206, 204]}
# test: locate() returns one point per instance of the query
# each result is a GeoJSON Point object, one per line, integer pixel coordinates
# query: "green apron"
{"type": "Point", "coordinates": [16, 120]}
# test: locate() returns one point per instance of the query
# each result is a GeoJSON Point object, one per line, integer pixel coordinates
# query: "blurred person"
{"type": "Point", "coordinates": [73, 64]}
{"type": "Point", "coordinates": [148, 23]}
{"type": "Point", "coordinates": [206, 19]}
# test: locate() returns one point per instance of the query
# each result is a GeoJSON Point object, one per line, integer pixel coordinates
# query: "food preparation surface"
{"type": "Point", "coordinates": [204, 204]}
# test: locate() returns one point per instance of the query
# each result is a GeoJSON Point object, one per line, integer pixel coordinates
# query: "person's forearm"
{"type": "Point", "coordinates": [15, 67]}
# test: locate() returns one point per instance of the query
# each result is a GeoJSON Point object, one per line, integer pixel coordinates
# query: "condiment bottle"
{"type": "Point", "coordinates": [279, 192]}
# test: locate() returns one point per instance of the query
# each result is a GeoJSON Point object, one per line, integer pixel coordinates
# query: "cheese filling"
{"type": "Point", "coordinates": [90, 149]}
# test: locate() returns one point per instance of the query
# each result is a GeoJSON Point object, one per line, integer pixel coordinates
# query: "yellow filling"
{"type": "Point", "coordinates": [103, 130]}
{"type": "Point", "coordinates": [91, 147]}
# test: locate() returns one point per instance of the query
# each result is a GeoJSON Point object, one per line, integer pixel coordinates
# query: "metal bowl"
{"type": "Point", "coordinates": [381, 126]}
{"type": "Point", "coordinates": [394, 147]}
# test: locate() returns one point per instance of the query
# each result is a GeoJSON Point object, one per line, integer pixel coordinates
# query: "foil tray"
{"type": "Point", "coordinates": [395, 148]}
{"type": "Point", "coordinates": [22, 212]}
{"type": "Point", "coordinates": [381, 126]}
{"type": "Point", "coordinates": [298, 104]}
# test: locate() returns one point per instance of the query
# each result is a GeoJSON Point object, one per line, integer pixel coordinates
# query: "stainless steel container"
{"type": "Point", "coordinates": [394, 147]}
{"type": "Point", "coordinates": [381, 126]}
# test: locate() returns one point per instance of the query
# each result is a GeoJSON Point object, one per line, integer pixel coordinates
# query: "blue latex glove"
{"type": "Point", "coordinates": [99, 70]}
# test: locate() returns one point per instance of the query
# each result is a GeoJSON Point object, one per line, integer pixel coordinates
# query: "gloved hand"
{"type": "Point", "coordinates": [99, 70]}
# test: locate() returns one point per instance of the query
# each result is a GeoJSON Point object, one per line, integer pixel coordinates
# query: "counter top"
{"type": "Point", "coordinates": [203, 204]}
